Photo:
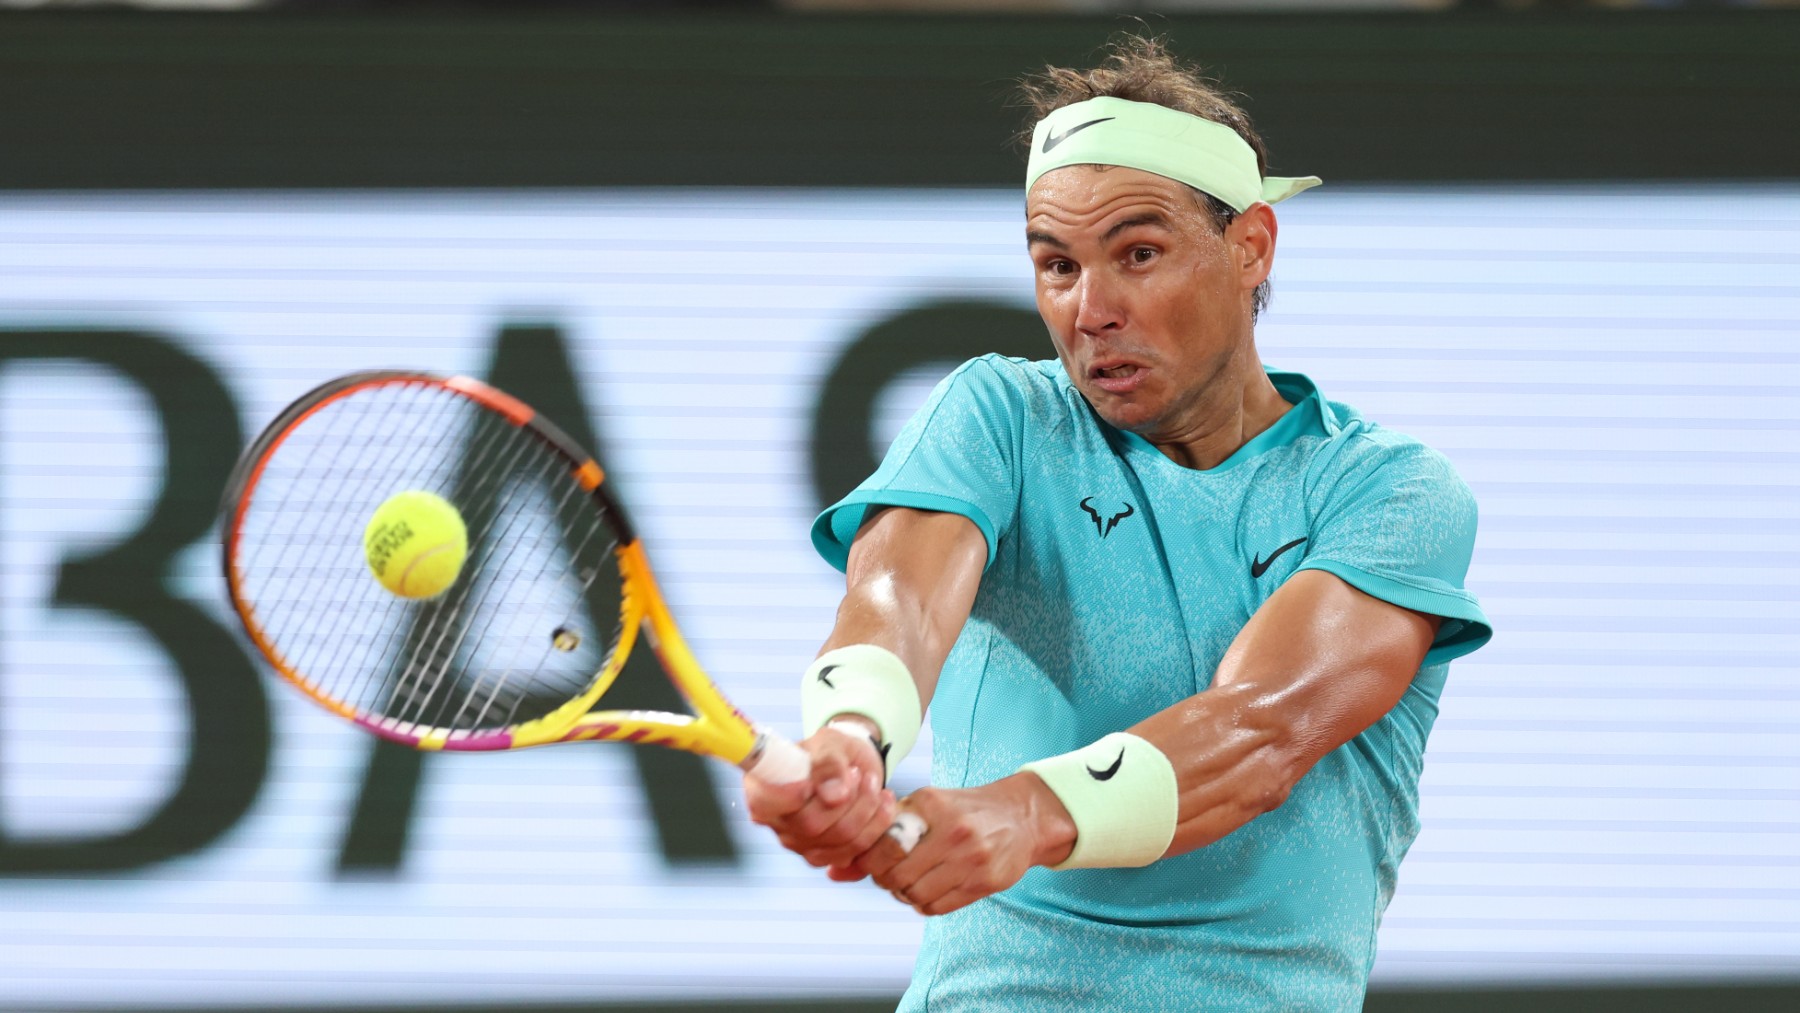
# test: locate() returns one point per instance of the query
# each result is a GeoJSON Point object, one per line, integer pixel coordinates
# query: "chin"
{"type": "Point", "coordinates": [1130, 417]}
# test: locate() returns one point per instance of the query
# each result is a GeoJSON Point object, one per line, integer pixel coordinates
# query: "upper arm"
{"type": "Point", "coordinates": [914, 537]}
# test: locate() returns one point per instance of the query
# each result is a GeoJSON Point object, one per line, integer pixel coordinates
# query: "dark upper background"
{"type": "Point", "coordinates": [451, 95]}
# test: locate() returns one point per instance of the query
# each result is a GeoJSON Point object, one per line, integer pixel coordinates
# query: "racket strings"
{"type": "Point", "coordinates": [439, 632]}
{"type": "Point", "coordinates": [488, 652]}
{"type": "Point", "coordinates": [577, 533]}
{"type": "Point", "coordinates": [347, 446]}
{"type": "Point", "coordinates": [485, 445]}
{"type": "Point", "coordinates": [303, 524]}
{"type": "Point", "coordinates": [352, 447]}
{"type": "Point", "coordinates": [502, 587]}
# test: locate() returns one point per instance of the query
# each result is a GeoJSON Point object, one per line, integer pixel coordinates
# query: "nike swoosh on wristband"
{"type": "Point", "coordinates": [1106, 775]}
{"type": "Point", "coordinates": [1052, 140]}
{"type": "Point", "coordinates": [1259, 565]}
{"type": "Point", "coordinates": [823, 672]}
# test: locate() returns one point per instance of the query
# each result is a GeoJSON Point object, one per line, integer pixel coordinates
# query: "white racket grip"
{"type": "Point", "coordinates": [908, 828]}
{"type": "Point", "coordinates": [776, 760]}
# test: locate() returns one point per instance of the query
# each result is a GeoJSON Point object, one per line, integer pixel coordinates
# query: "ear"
{"type": "Point", "coordinates": [1252, 238]}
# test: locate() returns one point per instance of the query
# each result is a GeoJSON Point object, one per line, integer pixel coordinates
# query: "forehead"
{"type": "Point", "coordinates": [1079, 196]}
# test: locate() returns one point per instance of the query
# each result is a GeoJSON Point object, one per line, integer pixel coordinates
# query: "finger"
{"type": "Point", "coordinates": [860, 827]}
{"type": "Point", "coordinates": [816, 818]}
{"type": "Point", "coordinates": [848, 873]}
{"type": "Point", "coordinates": [881, 857]}
{"type": "Point", "coordinates": [936, 883]}
{"type": "Point", "coordinates": [771, 802]}
{"type": "Point", "coordinates": [855, 816]}
{"type": "Point", "coordinates": [852, 853]}
{"type": "Point", "coordinates": [952, 901]}
{"type": "Point", "coordinates": [834, 778]}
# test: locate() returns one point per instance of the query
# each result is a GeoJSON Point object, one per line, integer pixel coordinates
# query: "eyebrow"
{"type": "Point", "coordinates": [1032, 238]}
{"type": "Point", "coordinates": [1147, 218]}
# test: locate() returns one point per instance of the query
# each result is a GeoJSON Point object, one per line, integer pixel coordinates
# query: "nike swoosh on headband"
{"type": "Point", "coordinates": [1052, 140]}
{"type": "Point", "coordinates": [1208, 156]}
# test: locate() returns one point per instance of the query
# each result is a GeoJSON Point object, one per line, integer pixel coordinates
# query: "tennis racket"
{"type": "Point", "coordinates": [538, 622]}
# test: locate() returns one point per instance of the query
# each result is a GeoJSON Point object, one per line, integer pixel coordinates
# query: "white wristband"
{"type": "Point", "coordinates": [1121, 792]}
{"type": "Point", "coordinates": [868, 681]}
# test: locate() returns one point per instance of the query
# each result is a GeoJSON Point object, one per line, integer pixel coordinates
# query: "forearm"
{"type": "Point", "coordinates": [909, 587]}
{"type": "Point", "coordinates": [1318, 665]}
{"type": "Point", "coordinates": [881, 610]}
{"type": "Point", "coordinates": [1236, 755]}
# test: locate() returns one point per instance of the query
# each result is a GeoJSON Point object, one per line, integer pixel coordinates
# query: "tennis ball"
{"type": "Point", "coordinates": [415, 544]}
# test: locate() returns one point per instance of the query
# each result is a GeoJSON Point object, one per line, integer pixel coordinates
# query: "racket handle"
{"type": "Point", "coordinates": [775, 760]}
{"type": "Point", "coordinates": [907, 829]}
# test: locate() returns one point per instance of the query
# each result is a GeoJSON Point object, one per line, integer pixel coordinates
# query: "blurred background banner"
{"type": "Point", "coordinates": [739, 247]}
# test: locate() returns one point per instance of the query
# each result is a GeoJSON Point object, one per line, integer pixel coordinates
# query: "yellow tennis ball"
{"type": "Point", "coordinates": [415, 544]}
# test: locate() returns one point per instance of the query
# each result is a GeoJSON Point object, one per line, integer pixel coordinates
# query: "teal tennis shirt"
{"type": "Point", "coordinates": [1116, 580]}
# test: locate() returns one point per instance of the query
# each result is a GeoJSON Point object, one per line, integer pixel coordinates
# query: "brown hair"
{"type": "Point", "coordinates": [1141, 69]}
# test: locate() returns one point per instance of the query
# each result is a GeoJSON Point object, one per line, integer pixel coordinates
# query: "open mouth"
{"type": "Point", "coordinates": [1119, 377]}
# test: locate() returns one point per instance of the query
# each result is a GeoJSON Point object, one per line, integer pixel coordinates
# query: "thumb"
{"type": "Point", "coordinates": [833, 779]}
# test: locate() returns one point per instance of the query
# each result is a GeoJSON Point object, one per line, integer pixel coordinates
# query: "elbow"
{"type": "Point", "coordinates": [1285, 745]}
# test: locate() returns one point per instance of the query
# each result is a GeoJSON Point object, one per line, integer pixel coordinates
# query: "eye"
{"type": "Point", "coordinates": [1142, 254]}
{"type": "Point", "coordinates": [1059, 267]}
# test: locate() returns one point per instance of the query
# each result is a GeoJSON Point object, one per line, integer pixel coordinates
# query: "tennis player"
{"type": "Point", "coordinates": [1181, 620]}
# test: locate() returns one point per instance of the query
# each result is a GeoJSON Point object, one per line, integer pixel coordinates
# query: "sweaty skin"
{"type": "Point", "coordinates": [911, 582]}
{"type": "Point", "coordinates": [1149, 308]}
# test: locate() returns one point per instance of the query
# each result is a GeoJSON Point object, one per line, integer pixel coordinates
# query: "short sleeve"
{"type": "Point", "coordinates": [1399, 525]}
{"type": "Point", "coordinates": [959, 454]}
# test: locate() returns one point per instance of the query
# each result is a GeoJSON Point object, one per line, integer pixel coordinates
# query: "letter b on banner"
{"type": "Point", "coordinates": [227, 752]}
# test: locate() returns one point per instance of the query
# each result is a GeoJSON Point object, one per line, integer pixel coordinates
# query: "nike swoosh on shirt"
{"type": "Point", "coordinates": [1259, 565]}
{"type": "Point", "coordinates": [1106, 775]}
{"type": "Point", "coordinates": [1052, 140]}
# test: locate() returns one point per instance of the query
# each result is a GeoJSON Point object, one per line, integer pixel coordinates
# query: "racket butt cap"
{"type": "Point", "coordinates": [908, 828]}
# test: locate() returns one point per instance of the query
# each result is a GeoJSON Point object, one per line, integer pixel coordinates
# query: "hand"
{"type": "Point", "coordinates": [980, 841]}
{"type": "Point", "coordinates": [838, 813]}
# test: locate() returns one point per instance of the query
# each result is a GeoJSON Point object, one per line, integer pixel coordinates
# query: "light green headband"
{"type": "Point", "coordinates": [1207, 156]}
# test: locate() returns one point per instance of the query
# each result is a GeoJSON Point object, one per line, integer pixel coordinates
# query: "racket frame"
{"type": "Point", "coordinates": [716, 727]}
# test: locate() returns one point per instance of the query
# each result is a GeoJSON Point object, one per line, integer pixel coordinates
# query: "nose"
{"type": "Point", "coordinates": [1099, 308]}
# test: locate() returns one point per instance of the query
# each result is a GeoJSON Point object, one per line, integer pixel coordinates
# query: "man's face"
{"type": "Point", "coordinates": [1146, 302]}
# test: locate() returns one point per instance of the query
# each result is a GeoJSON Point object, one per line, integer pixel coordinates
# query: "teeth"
{"type": "Point", "coordinates": [1117, 371]}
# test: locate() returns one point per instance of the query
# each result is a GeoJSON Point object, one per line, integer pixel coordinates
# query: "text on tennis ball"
{"type": "Point", "coordinates": [415, 544]}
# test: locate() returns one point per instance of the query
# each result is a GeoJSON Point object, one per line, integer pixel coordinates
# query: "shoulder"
{"type": "Point", "coordinates": [1363, 460]}
{"type": "Point", "coordinates": [1027, 390]}
{"type": "Point", "coordinates": [1005, 374]}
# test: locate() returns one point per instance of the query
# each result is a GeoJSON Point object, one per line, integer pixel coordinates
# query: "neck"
{"type": "Point", "coordinates": [1233, 409]}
